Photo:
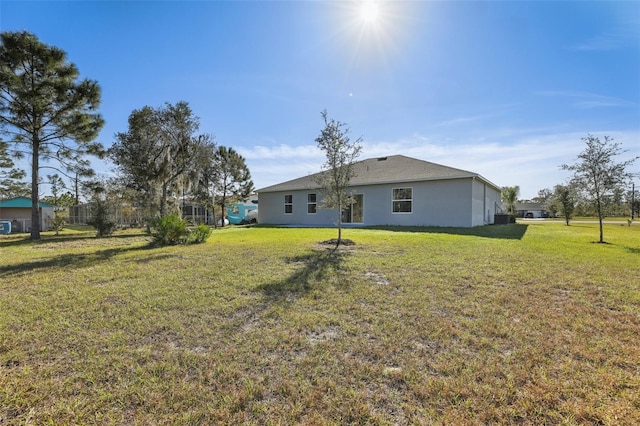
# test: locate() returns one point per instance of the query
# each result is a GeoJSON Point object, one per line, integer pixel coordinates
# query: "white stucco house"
{"type": "Point", "coordinates": [394, 190]}
{"type": "Point", "coordinates": [531, 210]}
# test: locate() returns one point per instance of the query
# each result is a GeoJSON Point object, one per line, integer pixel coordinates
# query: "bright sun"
{"type": "Point", "coordinates": [369, 12]}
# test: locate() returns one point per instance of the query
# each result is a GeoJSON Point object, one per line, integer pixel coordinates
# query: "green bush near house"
{"type": "Point", "coordinates": [173, 230]}
{"type": "Point", "coordinates": [199, 234]}
{"type": "Point", "coordinates": [170, 229]}
{"type": "Point", "coordinates": [101, 219]}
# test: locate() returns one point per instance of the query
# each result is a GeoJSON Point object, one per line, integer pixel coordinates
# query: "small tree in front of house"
{"type": "Point", "coordinates": [340, 152]}
{"type": "Point", "coordinates": [565, 201]}
{"type": "Point", "coordinates": [101, 216]}
{"type": "Point", "coordinates": [59, 221]}
{"type": "Point", "coordinates": [598, 175]}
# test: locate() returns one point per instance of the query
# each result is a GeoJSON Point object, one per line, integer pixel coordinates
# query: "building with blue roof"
{"type": "Point", "coordinates": [18, 211]}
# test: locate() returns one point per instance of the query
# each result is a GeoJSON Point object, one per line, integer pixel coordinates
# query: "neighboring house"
{"type": "Point", "coordinates": [18, 212]}
{"type": "Point", "coordinates": [243, 212]}
{"type": "Point", "coordinates": [236, 213]}
{"type": "Point", "coordinates": [196, 213]}
{"type": "Point", "coordinates": [394, 190]}
{"type": "Point", "coordinates": [531, 210]}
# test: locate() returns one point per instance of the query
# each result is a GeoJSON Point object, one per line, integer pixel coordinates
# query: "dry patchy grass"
{"type": "Point", "coordinates": [526, 324]}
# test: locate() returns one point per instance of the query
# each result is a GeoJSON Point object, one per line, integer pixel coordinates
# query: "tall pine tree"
{"type": "Point", "coordinates": [10, 177]}
{"type": "Point", "coordinates": [44, 110]}
{"type": "Point", "coordinates": [231, 177]}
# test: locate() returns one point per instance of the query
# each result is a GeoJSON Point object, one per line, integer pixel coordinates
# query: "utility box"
{"type": "Point", "coordinates": [501, 219]}
{"type": "Point", "coordinates": [5, 227]}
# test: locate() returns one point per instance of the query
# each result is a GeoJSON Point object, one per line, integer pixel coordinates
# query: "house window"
{"type": "Point", "coordinates": [288, 204]}
{"type": "Point", "coordinates": [402, 200]}
{"type": "Point", "coordinates": [312, 205]}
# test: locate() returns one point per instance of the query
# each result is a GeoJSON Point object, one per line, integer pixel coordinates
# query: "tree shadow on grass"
{"type": "Point", "coordinates": [312, 271]}
{"type": "Point", "coordinates": [629, 249]}
{"type": "Point", "coordinates": [24, 239]}
{"type": "Point", "coordinates": [73, 260]}
{"type": "Point", "coordinates": [513, 231]}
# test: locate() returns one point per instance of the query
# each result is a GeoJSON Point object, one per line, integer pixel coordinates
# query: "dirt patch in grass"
{"type": "Point", "coordinates": [378, 279]}
{"type": "Point", "coordinates": [334, 241]}
{"type": "Point", "coordinates": [88, 242]}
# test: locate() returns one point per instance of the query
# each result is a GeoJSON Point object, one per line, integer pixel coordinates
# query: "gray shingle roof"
{"type": "Point", "coordinates": [391, 169]}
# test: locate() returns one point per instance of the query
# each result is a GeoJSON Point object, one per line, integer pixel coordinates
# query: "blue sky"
{"type": "Point", "coordinates": [503, 88]}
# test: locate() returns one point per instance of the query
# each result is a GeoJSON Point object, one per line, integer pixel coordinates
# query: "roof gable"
{"type": "Point", "coordinates": [383, 170]}
{"type": "Point", "coordinates": [21, 202]}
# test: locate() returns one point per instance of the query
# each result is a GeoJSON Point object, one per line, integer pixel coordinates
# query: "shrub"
{"type": "Point", "coordinates": [199, 234]}
{"type": "Point", "coordinates": [101, 218]}
{"type": "Point", "coordinates": [169, 230]}
{"type": "Point", "coordinates": [172, 230]}
{"type": "Point", "coordinates": [58, 222]}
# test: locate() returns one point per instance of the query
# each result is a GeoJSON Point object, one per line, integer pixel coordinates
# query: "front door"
{"type": "Point", "coordinates": [355, 212]}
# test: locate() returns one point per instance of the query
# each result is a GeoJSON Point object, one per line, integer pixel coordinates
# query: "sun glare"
{"type": "Point", "coordinates": [372, 28]}
{"type": "Point", "coordinates": [369, 12]}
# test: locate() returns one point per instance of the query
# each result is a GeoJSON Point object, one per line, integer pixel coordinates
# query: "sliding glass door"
{"type": "Point", "coordinates": [355, 212]}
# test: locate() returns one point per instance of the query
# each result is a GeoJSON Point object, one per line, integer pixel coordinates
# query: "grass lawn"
{"type": "Point", "coordinates": [529, 323]}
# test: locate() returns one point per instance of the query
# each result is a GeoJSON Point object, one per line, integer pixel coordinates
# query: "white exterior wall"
{"type": "Point", "coordinates": [485, 200]}
{"type": "Point", "coordinates": [449, 203]}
